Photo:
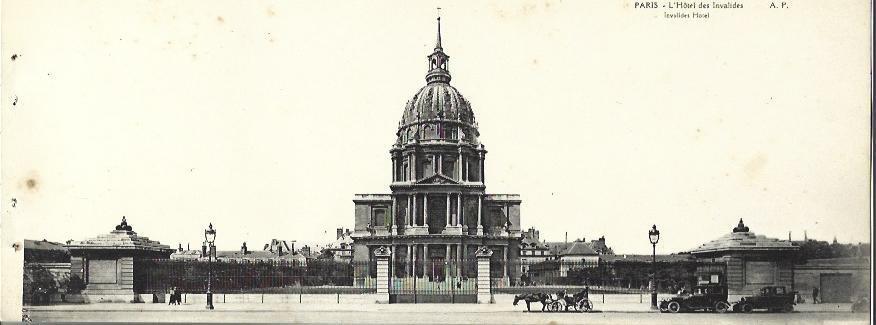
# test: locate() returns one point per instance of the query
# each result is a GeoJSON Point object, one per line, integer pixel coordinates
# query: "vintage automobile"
{"type": "Point", "coordinates": [710, 297]}
{"type": "Point", "coordinates": [772, 298]}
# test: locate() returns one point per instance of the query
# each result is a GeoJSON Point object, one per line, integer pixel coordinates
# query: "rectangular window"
{"type": "Point", "coordinates": [715, 278]}
{"type": "Point", "coordinates": [378, 217]}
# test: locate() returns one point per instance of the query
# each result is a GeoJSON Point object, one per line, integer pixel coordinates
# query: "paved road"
{"type": "Point", "coordinates": [417, 314]}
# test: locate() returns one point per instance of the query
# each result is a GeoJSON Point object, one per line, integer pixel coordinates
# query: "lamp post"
{"type": "Point", "coordinates": [210, 237]}
{"type": "Point", "coordinates": [653, 237]}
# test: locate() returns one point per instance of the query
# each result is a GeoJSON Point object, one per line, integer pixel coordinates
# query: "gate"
{"type": "Point", "coordinates": [435, 281]}
{"type": "Point", "coordinates": [836, 287]}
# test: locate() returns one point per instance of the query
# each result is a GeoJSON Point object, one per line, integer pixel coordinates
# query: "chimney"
{"type": "Point", "coordinates": [280, 249]}
{"type": "Point", "coordinates": [340, 233]}
{"type": "Point", "coordinates": [180, 248]}
{"type": "Point", "coordinates": [567, 238]}
{"type": "Point", "coordinates": [243, 250]}
{"type": "Point", "coordinates": [204, 249]}
{"type": "Point", "coordinates": [188, 246]}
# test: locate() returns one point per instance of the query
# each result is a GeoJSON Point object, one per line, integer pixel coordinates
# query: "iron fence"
{"type": "Point", "coordinates": [270, 276]}
{"type": "Point", "coordinates": [434, 281]}
{"type": "Point", "coordinates": [420, 278]}
{"type": "Point", "coordinates": [632, 277]}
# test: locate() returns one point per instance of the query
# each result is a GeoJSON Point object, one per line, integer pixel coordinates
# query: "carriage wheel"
{"type": "Point", "coordinates": [746, 308]}
{"type": "Point", "coordinates": [787, 308]}
{"type": "Point", "coordinates": [673, 307]}
{"type": "Point", "coordinates": [722, 307]}
{"type": "Point", "coordinates": [579, 307]}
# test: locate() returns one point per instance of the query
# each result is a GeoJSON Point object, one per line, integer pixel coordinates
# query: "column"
{"type": "Point", "coordinates": [394, 168]}
{"type": "Point", "coordinates": [483, 285]}
{"type": "Point", "coordinates": [409, 258]}
{"type": "Point", "coordinates": [483, 172]}
{"type": "Point", "coordinates": [505, 262]}
{"type": "Point", "coordinates": [414, 167]}
{"type": "Point", "coordinates": [392, 216]}
{"type": "Point", "coordinates": [448, 211]}
{"type": "Point", "coordinates": [427, 262]}
{"type": "Point", "coordinates": [382, 254]}
{"type": "Point", "coordinates": [439, 164]}
{"type": "Point", "coordinates": [458, 260]}
{"type": "Point", "coordinates": [416, 259]}
{"type": "Point", "coordinates": [447, 263]}
{"type": "Point", "coordinates": [480, 230]}
{"type": "Point", "coordinates": [425, 210]}
{"type": "Point", "coordinates": [408, 219]}
{"type": "Point", "coordinates": [414, 220]}
{"type": "Point", "coordinates": [459, 219]}
{"type": "Point", "coordinates": [459, 165]}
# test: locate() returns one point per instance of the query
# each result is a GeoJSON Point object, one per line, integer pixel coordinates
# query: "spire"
{"type": "Point", "coordinates": [438, 71]}
{"type": "Point", "coordinates": [438, 42]}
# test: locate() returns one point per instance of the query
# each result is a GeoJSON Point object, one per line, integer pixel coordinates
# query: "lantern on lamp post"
{"type": "Point", "coordinates": [654, 237]}
{"type": "Point", "coordinates": [210, 237]}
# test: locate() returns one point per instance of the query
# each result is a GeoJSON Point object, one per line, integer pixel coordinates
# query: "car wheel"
{"type": "Point", "coordinates": [787, 308]}
{"type": "Point", "coordinates": [673, 307]}
{"type": "Point", "coordinates": [746, 308]}
{"type": "Point", "coordinates": [722, 307]}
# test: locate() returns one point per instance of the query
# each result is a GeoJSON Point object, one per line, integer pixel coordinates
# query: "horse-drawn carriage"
{"type": "Point", "coordinates": [560, 301]}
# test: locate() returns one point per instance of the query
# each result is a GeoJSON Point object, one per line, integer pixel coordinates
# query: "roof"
{"type": "Point", "coordinates": [531, 243]}
{"type": "Point", "coordinates": [742, 239]}
{"type": "Point", "coordinates": [646, 258]}
{"type": "Point", "coordinates": [437, 111]}
{"type": "Point", "coordinates": [122, 238]}
{"type": "Point", "coordinates": [256, 255]}
{"type": "Point", "coordinates": [579, 248]}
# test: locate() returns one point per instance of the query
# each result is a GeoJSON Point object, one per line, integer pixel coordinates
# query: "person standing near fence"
{"type": "Point", "coordinates": [815, 295]}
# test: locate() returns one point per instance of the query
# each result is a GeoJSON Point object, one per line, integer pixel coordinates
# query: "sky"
{"type": "Point", "coordinates": [265, 118]}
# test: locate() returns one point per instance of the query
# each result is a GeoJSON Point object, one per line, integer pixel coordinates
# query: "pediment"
{"type": "Point", "coordinates": [437, 179]}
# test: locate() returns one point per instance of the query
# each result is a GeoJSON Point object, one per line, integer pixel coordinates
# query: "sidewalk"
{"type": "Point", "coordinates": [499, 307]}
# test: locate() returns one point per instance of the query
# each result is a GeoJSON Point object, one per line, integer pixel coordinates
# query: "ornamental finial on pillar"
{"type": "Point", "coordinates": [740, 227]}
{"type": "Point", "coordinates": [124, 225]}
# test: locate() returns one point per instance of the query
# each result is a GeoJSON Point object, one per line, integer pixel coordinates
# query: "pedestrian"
{"type": "Point", "coordinates": [815, 295]}
{"type": "Point", "coordinates": [175, 297]}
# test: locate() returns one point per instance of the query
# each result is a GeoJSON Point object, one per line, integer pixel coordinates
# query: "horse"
{"type": "Point", "coordinates": [532, 297]}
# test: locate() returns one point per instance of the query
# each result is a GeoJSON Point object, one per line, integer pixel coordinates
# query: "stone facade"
{"type": "Point", "coordinates": [752, 261]}
{"type": "Point", "coordinates": [438, 209]}
{"type": "Point", "coordinates": [106, 263]}
{"type": "Point", "coordinates": [838, 279]}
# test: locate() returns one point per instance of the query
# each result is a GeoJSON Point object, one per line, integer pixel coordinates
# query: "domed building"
{"type": "Point", "coordinates": [438, 213]}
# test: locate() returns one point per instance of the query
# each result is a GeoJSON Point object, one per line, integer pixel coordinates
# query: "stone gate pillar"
{"type": "Point", "coordinates": [484, 293]}
{"type": "Point", "coordinates": [382, 254]}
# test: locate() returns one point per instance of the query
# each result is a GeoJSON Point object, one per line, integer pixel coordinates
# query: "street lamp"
{"type": "Point", "coordinates": [653, 237]}
{"type": "Point", "coordinates": [210, 237]}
